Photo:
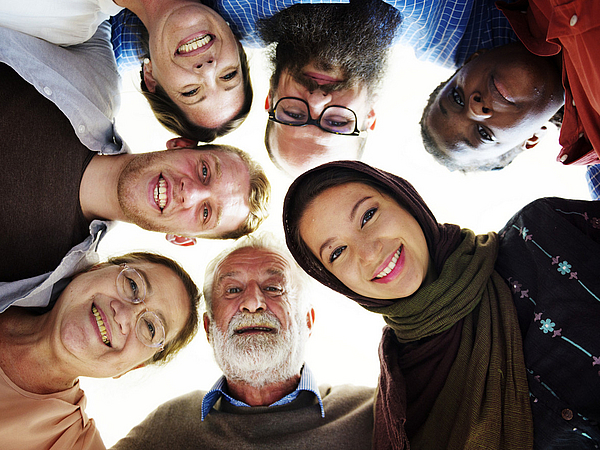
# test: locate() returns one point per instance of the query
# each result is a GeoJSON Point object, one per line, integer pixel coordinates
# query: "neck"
{"type": "Point", "coordinates": [151, 11]}
{"type": "Point", "coordinates": [26, 357]}
{"type": "Point", "coordinates": [98, 189]}
{"type": "Point", "coordinates": [264, 395]}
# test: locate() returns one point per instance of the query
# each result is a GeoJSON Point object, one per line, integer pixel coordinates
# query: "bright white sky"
{"type": "Point", "coordinates": [343, 347]}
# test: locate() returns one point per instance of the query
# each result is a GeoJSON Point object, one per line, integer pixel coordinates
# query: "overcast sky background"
{"type": "Point", "coordinates": [343, 347]}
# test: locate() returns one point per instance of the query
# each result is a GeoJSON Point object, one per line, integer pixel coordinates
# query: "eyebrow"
{"type": "Point", "coordinates": [146, 281]}
{"type": "Point", "coordinates": [357, 205]}
{"type": "Point", "coordinates": [219, 173]}
{"type": "Point", "coordinates": [351, 218]}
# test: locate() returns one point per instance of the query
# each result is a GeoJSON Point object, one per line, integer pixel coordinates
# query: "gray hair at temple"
{"type": "Point", "coordinates": [298, 285]}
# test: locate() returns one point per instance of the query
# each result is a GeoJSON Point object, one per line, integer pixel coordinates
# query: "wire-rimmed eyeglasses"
{"type": "Point", "coordinates": [149, 327]}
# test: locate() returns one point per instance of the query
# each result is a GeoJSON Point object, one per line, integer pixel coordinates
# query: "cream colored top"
{"type": "Point", "coordinates": [62, 22]}
{"type": "Point", "coordinates": [45, 421]}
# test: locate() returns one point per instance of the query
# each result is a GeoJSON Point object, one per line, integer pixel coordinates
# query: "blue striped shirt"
{"type": "Point", "coordinates": [593, 179]}
{"type": "Point", "coordinates": [307, 383]}
{"type": "Point", "coordinates": [445, 32]}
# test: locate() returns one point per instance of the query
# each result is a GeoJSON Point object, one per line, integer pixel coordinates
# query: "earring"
{"type": "Point", "coordinates": [146, 61]}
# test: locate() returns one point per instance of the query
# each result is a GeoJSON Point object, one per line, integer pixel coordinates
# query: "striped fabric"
{"type": "Point", "coordinates": [593, 179]}
{"type": "Point", "coordinates": [444, 32]}
{"type": "Point", "coordinates": [307, 383]}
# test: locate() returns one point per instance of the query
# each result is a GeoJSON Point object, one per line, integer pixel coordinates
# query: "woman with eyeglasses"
{"type": "Point", "coordinates": [132, 311]}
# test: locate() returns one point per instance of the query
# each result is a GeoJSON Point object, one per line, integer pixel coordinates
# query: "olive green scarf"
{"type": "Point", "coordinates": [484, 403]}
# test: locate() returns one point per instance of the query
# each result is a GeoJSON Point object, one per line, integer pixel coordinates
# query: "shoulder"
{"type": "Point", "coordinates": [346, 394]}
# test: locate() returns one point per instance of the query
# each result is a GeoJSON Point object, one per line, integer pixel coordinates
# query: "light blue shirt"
{"type": "Point", "coordinates": [307, 383]}
{"type": "Point", "coordinates": [444, 32]}
{"type": "Point", "coordinates": [39, 291]}
{"type": "Point", "coordinates": [82, 81]}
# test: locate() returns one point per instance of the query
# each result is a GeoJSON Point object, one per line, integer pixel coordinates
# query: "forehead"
{"type": "Point", "coordinates": [337, 206]}
{"type": "Point", "coordinates": [231, 189]}
{"type": "Point", "coordinates": [251, 263]}
{"type": "Point", "coordinates": [218, 107]}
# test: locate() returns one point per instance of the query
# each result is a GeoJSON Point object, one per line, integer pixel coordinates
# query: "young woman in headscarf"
{"type": "Point", "coordinates": [480, 350]}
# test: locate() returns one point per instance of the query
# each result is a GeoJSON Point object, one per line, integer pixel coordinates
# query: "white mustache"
{"type": "Point", "coordinates": [253, 320]}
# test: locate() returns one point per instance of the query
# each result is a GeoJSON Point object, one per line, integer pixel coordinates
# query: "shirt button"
{"type": "Point", "coordinates": [47, 90]}
{"type": "Point", "coordinates": [81, 129]}
{"type": "Point", "coordinates": [573, 20]}
{"type": "Point", "coordinates": [563, 158]}
{"type": "Point", "coordinates": [567, 414]}
{"type": "Point", "coordinates": [581, 135]}
{"type": "Point", "coordinates": [573, 103]}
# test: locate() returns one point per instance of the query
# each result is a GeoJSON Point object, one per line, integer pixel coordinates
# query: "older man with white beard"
{"type": "Point", "coordinates": [258, 321]}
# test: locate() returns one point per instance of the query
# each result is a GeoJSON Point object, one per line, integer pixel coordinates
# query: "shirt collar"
{"type": "Point", "coordinates": [307, 383]}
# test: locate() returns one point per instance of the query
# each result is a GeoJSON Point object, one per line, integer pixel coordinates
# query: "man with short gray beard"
{"type": "Point", "coordinates": [258, 321]}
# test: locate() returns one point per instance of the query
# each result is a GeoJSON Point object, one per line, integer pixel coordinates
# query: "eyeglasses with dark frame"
{"type": "Point", "coordinates": [295, 112]}
{"type": "Point", "coordinates": [149, 328]}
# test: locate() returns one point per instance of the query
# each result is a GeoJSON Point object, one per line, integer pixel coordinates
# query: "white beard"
{"type": "Point", "coordinates": [259, 359]}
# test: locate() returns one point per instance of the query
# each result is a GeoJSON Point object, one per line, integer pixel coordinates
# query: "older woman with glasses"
{"type": "Point", "coordinates": [117, 316]}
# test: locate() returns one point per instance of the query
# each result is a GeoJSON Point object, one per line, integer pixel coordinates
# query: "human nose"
{"type": "Point", "coordinates": [317, 100]}
{"type": "Point", "coordinates": [368, 250]}
{"type": "Point", "coordinates": [253, 299]}
{"type": "Point", "coordinates": [478, 108]}
{"type": "Point", "coordinates": [192, 193]}
{"type": "Point", "coordinates": [125, 315]}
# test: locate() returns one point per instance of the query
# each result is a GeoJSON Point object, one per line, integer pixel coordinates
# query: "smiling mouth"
{"type": "Point", "coordinates": [194, 44]}
{"type": "Point", "coordinates": [390, 266]}
{"type": "Point", "coordinates": [101, 326]}
{"type": "Point", "coordinates": [160, 193]}
{"type": "Point", "coordinates": [254, 329]}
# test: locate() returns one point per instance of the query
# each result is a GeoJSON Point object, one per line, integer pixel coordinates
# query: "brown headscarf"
{"type": "Point", "coordinates": [460, 333]}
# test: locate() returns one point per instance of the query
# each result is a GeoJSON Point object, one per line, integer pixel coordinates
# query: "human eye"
{"type": "Point", "coordinates": [190, 93]}
{"type": "Point", "coordinates": [151, 328]}
{"type": "Point", "coordinates": [133, 288]}
{"type": "Point", "coordinates": [336, 253]}
{"type": "Point", "coordinates": [230, 76]}
{"type": "Point", "coordinates": [233, 290]}
{"type": "Point", "coordinates": [294, 114]}
{"type": "Point", "coordinates": [274, 289]}
{"type": "Point", "coordinates": [204, 172]}
{"type": "Point", "coordinates": [485, 135]}
{"type": "Point", "coordinates": [205, 213]}
{"type": "Point", "coordinates": [367, 216]}
{"type": "Point", "coordinates": [335, 122]}
{"type": "Point", "coordinates": [457, 98]}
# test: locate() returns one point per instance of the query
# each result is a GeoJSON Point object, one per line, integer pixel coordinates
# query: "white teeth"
{"type": "Point", "coordinates": [195, 44]}
{"type": "Point", "coordinates": [391, 265]}
{"type": "Point", "coordinates": [101, 326]}
{"type": "Point", "coordinates": [160, 193]}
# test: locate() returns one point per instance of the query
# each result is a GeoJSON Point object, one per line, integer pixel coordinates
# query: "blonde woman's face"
{"type": "Point", "coordinates": [194, 57]}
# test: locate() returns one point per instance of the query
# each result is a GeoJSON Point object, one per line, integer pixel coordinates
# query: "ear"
{"type": "Point", "coordinates": [206, 326]}
{"type": "Point", "coordinates": [268, 102]}
{"type": "Point", "coordinates": [535, 139]}
{"type": "Point", "coordinates": [139, 366]}
{"type": "Point", "coordinates": [475, 55]}
{"type": "Point", "coordinates": [310, 320]}
{"type": "Point", "coordinates": [181, 142]}
{"type": "Point", "coordinates": [148, 78]}
{"type": "Point", "coordinates": [371, 119]}
{"type": "Point", "coordinates": [180, 240]}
